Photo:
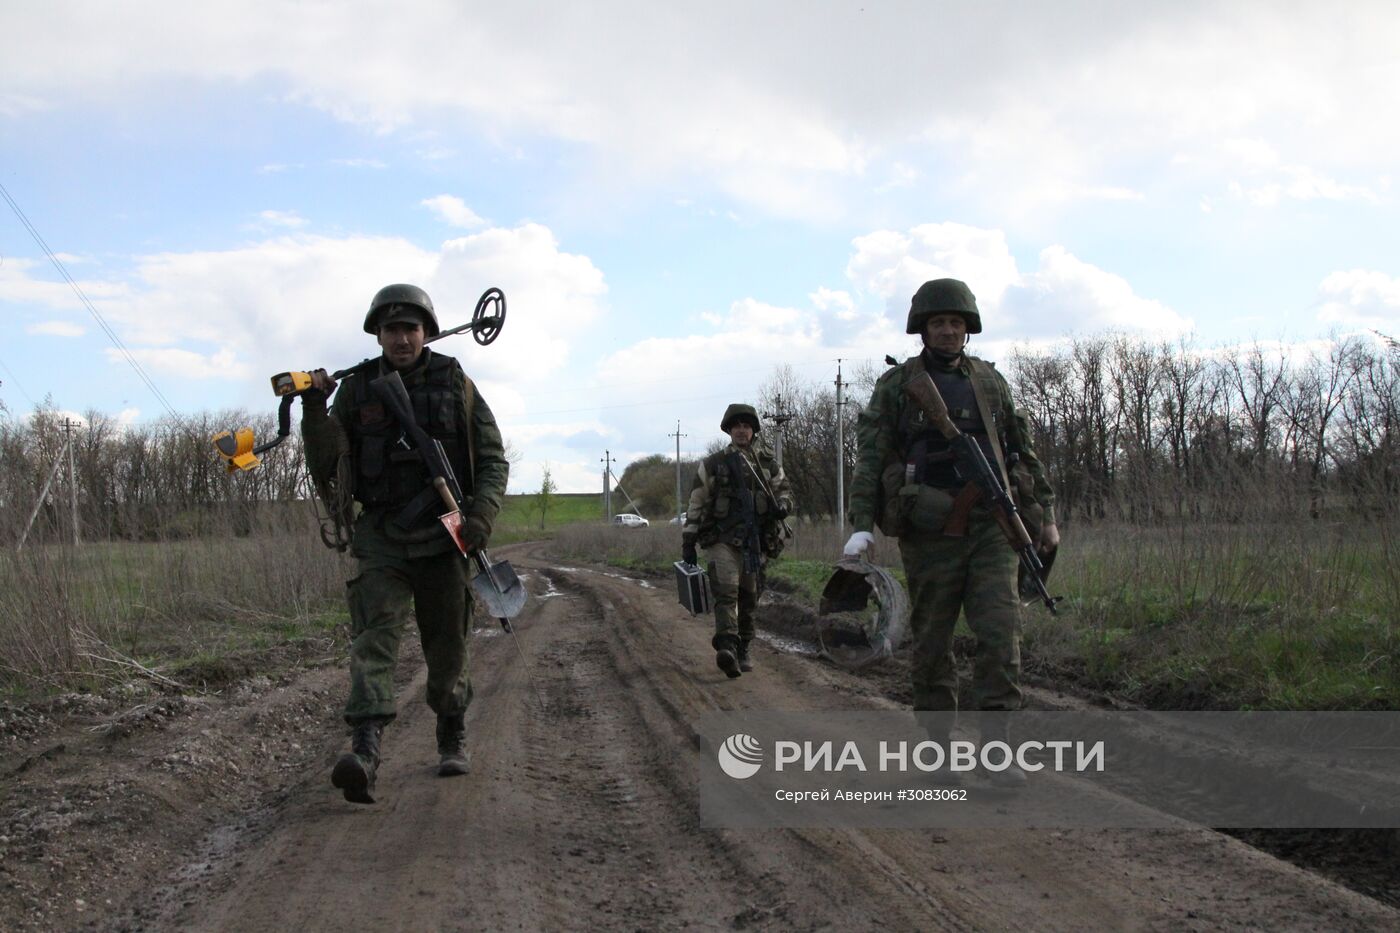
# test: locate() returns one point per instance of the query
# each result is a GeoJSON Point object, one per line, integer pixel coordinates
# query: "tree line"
{"type": "Point", "coordinates": [1130, 430]}
{"type": "Point", "coordinates": [1143, 432]}
{"type": "Point", "coordinates": [141, 482]}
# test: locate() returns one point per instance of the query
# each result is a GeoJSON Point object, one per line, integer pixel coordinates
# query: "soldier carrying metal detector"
{"type": "Point", "coordinates": [408, 432]}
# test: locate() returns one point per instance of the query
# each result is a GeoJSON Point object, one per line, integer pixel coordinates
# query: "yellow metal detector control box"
{"type": "Point", "coordinates": [292, 383]}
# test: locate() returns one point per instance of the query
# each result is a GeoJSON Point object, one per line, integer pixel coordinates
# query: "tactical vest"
{"type": "Point", "coordinates": [390, 473]}
{"type": "Point", "coordinates": [723, 518]}
{"type": "Point", "coordinates": [925, 449]}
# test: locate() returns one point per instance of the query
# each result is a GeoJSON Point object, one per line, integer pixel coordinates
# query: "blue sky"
{"type": "Point", "coordinates": [676, 198]}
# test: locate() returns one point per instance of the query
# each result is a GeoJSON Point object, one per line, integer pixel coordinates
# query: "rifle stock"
{"type": "Point", "coordinates": [930, 401]}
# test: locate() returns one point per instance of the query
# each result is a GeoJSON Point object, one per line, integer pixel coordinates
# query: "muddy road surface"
{"type": "Point", "coordinates": [580, 811]}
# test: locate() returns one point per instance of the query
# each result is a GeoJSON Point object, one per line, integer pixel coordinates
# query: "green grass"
{"type": "Point", "coordinates": [1286, 617]}
{"type": "Point", "coordinates": [519, 519]}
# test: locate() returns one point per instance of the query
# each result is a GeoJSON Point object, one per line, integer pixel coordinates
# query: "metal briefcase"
{"type": "Point", "coordinates": [693, 588]}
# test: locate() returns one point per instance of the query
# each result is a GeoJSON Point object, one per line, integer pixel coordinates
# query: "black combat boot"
{"type": "Point", "coordinates": [453, 759]}
{"type": "Point", "coordinates": [998, 729]}
{"type": "Point", "coordinates": [745, 663]}
{"type": "Point", "coordinates": [727, 654]}
{"type": "Point", "coordinates": [354, 772]}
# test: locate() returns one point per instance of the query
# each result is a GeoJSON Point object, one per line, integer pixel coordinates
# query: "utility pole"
{"type": "Point", "coordinates": [68, 427]}
{"type": "Point", "coordinates": [780, 417]}
{"type": "Point", "coordinates": [607, 485]}
{"type": "Point", "coordinates": [840, 455]}
{"type": "Point", "coordinates": [680, 505]}
{"type": "Point", "coordinates": [43, 494]}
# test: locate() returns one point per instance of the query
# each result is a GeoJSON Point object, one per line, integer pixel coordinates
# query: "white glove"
{"type": "Point", "coordinates": [859, 543]}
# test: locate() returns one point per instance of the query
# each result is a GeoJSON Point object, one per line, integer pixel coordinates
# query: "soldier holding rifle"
{"type": "Point", "coordinates": [405, 556]}
{"type": "Point", "coordinates": [915, 478]}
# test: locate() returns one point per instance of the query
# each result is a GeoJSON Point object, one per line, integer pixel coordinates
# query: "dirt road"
{"type": "Point", "coordinates": [580, 812]}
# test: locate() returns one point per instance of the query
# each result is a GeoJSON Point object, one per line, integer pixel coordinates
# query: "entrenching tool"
{"type": "Point", "coordinates": [237, 447]}
{"type": "Point", "coordinates": [496, 584]}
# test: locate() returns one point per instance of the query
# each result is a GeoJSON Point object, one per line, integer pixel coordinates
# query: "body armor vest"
{"type": "Point", "coordinates": [391, 473]}
{"type": "Point", "coordinates": [926, 449]}
{"type": "Point", "coordinates": [724, 518]}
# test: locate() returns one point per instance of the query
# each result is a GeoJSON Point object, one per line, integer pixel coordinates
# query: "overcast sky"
{"type": "Point", "coordinates": [675, 198]}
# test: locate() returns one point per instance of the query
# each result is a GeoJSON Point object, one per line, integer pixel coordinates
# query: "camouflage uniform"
{"type": "Point", "coordinates": [419, 562]}
{"type": "Point", "coordinates": [904, 480]}
{"type": "Point", "coordinates": [714, 518]}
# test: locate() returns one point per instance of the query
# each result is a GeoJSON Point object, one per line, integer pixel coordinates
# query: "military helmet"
{"type": "Point", "coordinates": [739, 412]}
{"type": "Point", "coordinates": [943, 296]}
{"type": "Point", "coordinates": [404, 297]}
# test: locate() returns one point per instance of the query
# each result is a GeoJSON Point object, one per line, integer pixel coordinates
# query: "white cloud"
{"type": "Point", "coordinates": [1268, 180]}
{"type": "Point", "coordinates": [1024, 105]}
{"type": "Point", "coordinates": [186, 364]}
{"type": "Point", "coordinates": [289, 219]}
{"type": "Point", "coordinates": [1062, 295]}
{"type": "Point", "coordinates": [453, 210]}
{"type": "Point", "coordinates": [19, 286]}
{"type": "Point", "coordinates": [839, 303]}
{"type": "Point", "coordinates": [1068, 294]}
{"type": "Point", "coordinates": [56, 329]}
{"type": "Point", "coordinates": [14, 105]}
{"type": "Point", "coordinates": [893, 265]}
{"type": "Point", "coordinates": [299, 301]}
{"type": "Point", "coordinates": [1362, 298]}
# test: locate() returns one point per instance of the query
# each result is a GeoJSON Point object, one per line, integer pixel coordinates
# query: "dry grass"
{"type": "Point", "coordinates": [72, 616]}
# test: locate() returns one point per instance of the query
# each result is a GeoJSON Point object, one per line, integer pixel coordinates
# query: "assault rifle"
{"type": "Point", "coordinates": [753, 544]}
{"type": "Point", "coordinates": [972, 467]}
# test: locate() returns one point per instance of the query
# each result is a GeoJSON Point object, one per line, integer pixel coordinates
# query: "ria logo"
{"type": "Point", "coordinates": [740, 756]}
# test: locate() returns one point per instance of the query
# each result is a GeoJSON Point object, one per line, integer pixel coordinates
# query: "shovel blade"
{"type": "Point", "coordinates": [505, 602]}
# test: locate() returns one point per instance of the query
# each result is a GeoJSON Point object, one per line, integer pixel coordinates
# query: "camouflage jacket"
{"type": "Point", "coordinates": [881, 446]}
{"type": "Point", "coordinates": [712, 513]}
{"type": "Point", "coordinates": [478, 458]}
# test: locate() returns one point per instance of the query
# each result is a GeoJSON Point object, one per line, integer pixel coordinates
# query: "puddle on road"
{"type": "Point", "coordinates": [787, 645]}
{"type": "Point", "coordinates": [550, 591]}
{"type": "Point", "coordinates": [644, 584]}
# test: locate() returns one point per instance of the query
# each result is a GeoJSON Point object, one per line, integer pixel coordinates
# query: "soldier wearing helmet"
{"type": "Point", "coordinates": [736, 510]}
{"type": "Point", "coordinates": [954, 553]}
{"type": "Point", "coordinates": [405, 558]}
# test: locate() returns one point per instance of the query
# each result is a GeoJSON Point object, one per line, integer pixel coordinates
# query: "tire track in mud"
{"type": "Point", "coordinates": [581, 812]}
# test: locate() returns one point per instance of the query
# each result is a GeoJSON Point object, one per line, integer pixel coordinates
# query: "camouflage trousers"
{"type": "Point", "coordinates": [977, 575]}
{"type": "Point", "coordinates": [735, 593]}
{"type": "Point", "coordinates": [388, 583]}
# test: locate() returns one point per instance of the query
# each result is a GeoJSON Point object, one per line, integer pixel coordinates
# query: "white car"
{"type": "Point", "coordinates": [628, 520]}
{"type": "Point", "coordinates": [679, 520]}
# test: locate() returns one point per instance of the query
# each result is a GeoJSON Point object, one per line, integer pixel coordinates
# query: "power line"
{"type": "Point", "coordinates": [86, 303]}
{"type": "Point", "coordinates": [18, 385]}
